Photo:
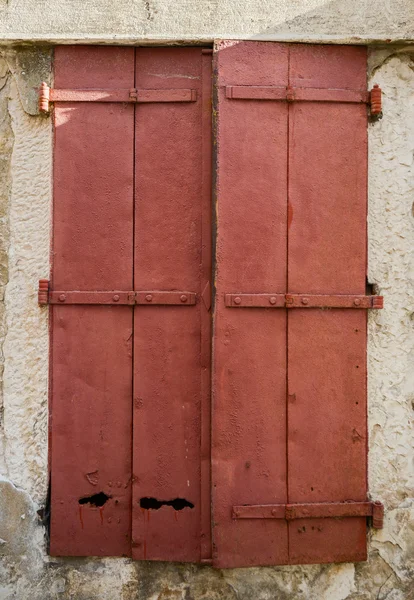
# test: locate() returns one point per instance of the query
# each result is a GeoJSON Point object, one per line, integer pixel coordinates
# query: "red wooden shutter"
{"type": "Point", "coordinates": [130, 358]}
{"type": "Point", "coordinates": [289, 384]}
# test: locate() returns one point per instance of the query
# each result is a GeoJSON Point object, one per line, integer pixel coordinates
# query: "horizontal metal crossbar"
{"type": "Point", "coordinates": [297, 94]}
{"type": "Point", "coordinates": [131, 298]}
{"type": "Point", "coordinates": [322, 510]}
{"type": "Point", "coordinates": [143, 96]}
{"type": "Point", "coordinates": [292, 94]}
{"type": "Point", "coordinates": [302, 301]}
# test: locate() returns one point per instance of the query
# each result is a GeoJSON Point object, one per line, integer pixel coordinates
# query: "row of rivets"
{"type": "Point", "coordinates": [116, 298]}
{"type": "Point", "coordinates": [237, 300]}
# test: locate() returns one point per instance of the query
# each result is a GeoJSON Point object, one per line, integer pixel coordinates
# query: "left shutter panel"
{"type": "Point", "coordinates": [91, 358]}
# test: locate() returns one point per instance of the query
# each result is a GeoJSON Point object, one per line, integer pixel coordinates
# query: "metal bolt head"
{"type": "Point", "coordinates": [116, 298]}
{"type": "Point", "coordinates": [148, 297]}
{"type": "Point", "coordinates": [237, 300]}
{"type": "Point", "coordinates": [274, 512]}
{"type": "Point", "coordinates": [183, 298]}
{"type": "Point", "coordinates": [357, 301]}
{"type": "Point", "coordinates": [305, 301]}
{"type": "Point", "coordinates": [62, 298]}
{"type": "Point", "coordinates": [272, 300]}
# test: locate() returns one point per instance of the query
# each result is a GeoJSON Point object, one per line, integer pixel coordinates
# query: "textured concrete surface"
{"type": "Point", "coordinates": [6, 145]}
{"type": "Point", "coordinates": [149, 21]}
{"type": "Point", "coordinates": [26, 571]}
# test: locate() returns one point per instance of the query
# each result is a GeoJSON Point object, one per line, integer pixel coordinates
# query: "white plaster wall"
{"type": "Point", "coordinates": [26, 572]}
{"type": "Point", "coordinates": [25, 347]}
{"type": "Point", "coordinates": [146, 21]}
{"type": "Point", "coordinates": [391, 331]}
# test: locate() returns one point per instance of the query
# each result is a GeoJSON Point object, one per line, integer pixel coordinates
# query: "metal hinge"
{"type": "Point", "coordinates": [115, 298]}
{"type": "Point", "coordinates": [143, 96]}
{"type": "Point", "coordinates": [322, 510]}
{"type": "Point", "coordinates": [375, 101]}
{"type": "Point", "coordinates": [297, 94]}
{"type": "Point", "coordinates": [302, 301]}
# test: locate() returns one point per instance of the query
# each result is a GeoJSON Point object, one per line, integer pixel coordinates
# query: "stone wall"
{"type": "Point", "coordinates": [26, 571]}
{"type": "Point", "coordinates": [155, 21]}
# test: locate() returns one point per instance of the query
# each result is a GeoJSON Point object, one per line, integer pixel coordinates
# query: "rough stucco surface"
{"type": "Point", "coordinates": [170, 20]}
{"type": "Point", "coordinates": [26, 571]}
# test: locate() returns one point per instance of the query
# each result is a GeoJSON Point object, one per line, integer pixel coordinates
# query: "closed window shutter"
{"type": "Point", "coordinates": [130, 336]}
{"type": "Point", "coordinates": [289, 384]}
{"type": "Point", "coordinates": [131, 429]}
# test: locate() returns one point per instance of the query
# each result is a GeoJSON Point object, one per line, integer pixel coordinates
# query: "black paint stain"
{"type": "Point", "coordinates": [97, 500]}
{"type": "Point", "coordinates": [154, 504]}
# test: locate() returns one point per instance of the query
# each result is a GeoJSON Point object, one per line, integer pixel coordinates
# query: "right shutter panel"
{"type": "Point", "coordinates": [291, 218]}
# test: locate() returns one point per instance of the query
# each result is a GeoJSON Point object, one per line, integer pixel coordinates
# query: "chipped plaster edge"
{"type": "Point", "coordinates": [154, 40]}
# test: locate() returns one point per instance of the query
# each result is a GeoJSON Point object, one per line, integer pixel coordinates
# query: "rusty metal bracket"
{"type": "Point", "coordinates": [120, 298]}
{"type": "Point", "coordinates": [302, 301]}
{"type": "Point", "coordinates": [322, 510]}
{"type": "Point", "coordinates": [292, 94]}
{"type": "Point", "coordinates": [141, 96]}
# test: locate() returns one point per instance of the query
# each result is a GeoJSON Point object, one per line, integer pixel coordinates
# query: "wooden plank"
{"type": "Point", "coordinates": [91, 365]}
{"type": "Point", "coordinates": [169, 352]}
{"type": "Point", "coordinates": [327, 438]}
{"type": "Point", "coordinates": [249, 348]}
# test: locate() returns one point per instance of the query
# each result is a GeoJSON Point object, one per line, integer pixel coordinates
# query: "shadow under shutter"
{"type": "Point", "coordinates": [289, 447]}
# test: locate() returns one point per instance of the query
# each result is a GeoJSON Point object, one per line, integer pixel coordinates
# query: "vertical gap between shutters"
{"type": "Point", "coordinates": [133, 287]}
{"type": "Point", "coordinates": [205, 329]}
{"type": "Point", "coordinates": [51, 317]}
{"type": "Point", "coordinates": [288, 209]}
